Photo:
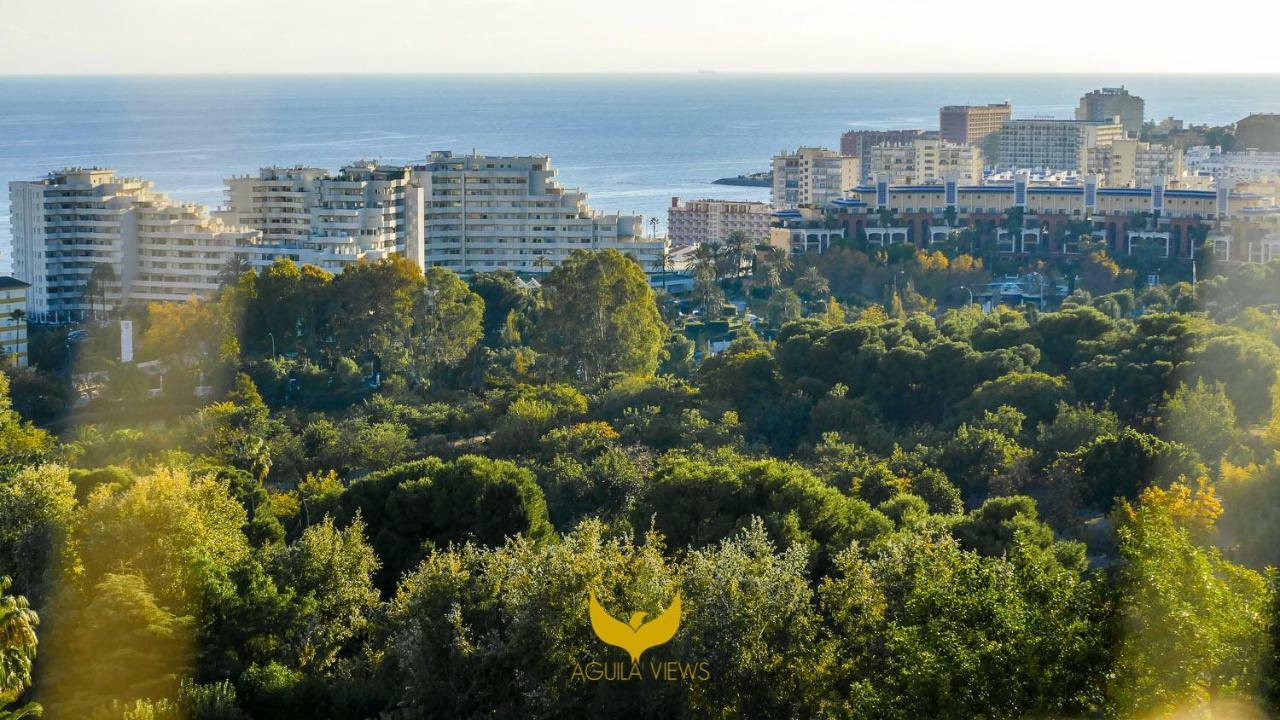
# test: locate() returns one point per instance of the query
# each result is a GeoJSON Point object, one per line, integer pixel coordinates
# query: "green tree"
{"type": "Point", "coordinates": [1195, 626]}
{"type": "Point", "coordinates": [329, 572]}
{"type": "Point", "coordinates": [448, 321]}
{"type": "Point", "coordinates": [599, 316]}
{"type": "Point", "coordinates": [18, 643]}
{"type": "Point", "coordinates": [1201, 417]}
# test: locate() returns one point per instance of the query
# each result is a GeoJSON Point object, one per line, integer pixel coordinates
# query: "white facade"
{"type": "Point", "coordinates": [1233, 168]}
{"type": "Point", "coordinates": [812, 177]}
{"type": "Point", "coordinates": [1131, 163]}
{"type": "Point", "coordinates": [1054, 144]}
{"type": "Point", "coordinates": [924, 161]}
{"type": "Point", "coordinates": [327, 220]}
{"type": "Point", "coordinates": [142, 246]}
{"type": "Point", "coordinates": [482, 213]}
{"type": "Point", "coordinates": [704, 221]}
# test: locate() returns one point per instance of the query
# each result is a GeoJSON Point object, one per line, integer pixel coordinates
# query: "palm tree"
{"type": "Point", "coordinates": [16, 316]}
{"type": "Point", "coordinates": [812, 285]}
{"type": "Point", "coordinates": [100, 278]}
{"type": "Point", "coordinates": [738, 243]}
{"type": "Point", "coordinates": [668, 264]}
{"type": "Point", "coordinates": [17, 642]}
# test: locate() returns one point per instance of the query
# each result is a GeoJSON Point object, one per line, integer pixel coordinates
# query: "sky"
{"type": "Point", "coordinates": [573, 36]}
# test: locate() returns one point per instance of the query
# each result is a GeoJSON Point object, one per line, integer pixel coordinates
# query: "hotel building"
{"type": "Point", "coordinates": [1054, 144]}
{"type": "Point", "coordinates": [703, 221]}
{"type": "Point", "coordinates": [1107, 103]}
{"type": "Point", "coordinates": [971, 124]}
{"type": "Point", "coordinates": [812, 176]}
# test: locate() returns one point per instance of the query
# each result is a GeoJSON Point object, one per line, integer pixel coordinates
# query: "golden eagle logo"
{"type": "Point", "coordinates": [636, 635]}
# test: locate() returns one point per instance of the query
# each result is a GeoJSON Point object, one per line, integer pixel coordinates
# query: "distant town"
{"type": "Point", "coordinates": [87, 241]}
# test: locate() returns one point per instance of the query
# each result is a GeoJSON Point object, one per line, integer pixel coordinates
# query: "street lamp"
{"type": "Point", "coordinates": [966, 289]}
{"type": "Point", "coordinates": [895, 280]}
{"type": "Point", "coordinates": [273, 345]}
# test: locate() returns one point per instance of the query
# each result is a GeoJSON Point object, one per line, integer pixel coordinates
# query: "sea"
{"type": "Point", "coordinates": [631, 141]}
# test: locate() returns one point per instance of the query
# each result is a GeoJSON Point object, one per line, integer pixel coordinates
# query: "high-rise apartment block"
{"type": "Point", "coordinates": [487, 213]}
{"type": "Point", "coordinates": [1107, 103]}
{"type": "Point", "coordinates": [87, 240]}
{"type": "Point", "coordinates": [330, 221]}
{"type": "Point", "coordinates": [704, 221]}
{"type": "Point", "coordinates": [971, 124]}
{"type": "Point", "coordinates": [924, 161]}
{"type": "Point", "coordinates": [1053, 144]}
{"type": "Point", "coordinates": [812, 177]}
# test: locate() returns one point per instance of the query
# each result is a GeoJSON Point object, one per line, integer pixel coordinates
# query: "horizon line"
{"type": "Point", "coordinates": [708, 72]}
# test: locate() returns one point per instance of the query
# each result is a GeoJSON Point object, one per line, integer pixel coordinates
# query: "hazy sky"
{"type": "Point", "coordinates": [423, 36]}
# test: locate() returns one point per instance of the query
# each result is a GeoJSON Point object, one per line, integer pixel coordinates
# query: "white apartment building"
{"type": "Point", "coordinates": [1054, 144]}
{"type": "Point", "coordinates": [1233, 168]}
{"type": "Point", "coordinates": [812, 177]}
{"type": "Point", "coordinates": [483, 213]}
{"type": "Point", "coordinates": [1131, 163]}
{"type": "Point", "coordinates": [87, 240]}
{"type": "Point", "coordinates": [924, 161]}
{"type": "Point", "coordinates": [13, 321]}
{"type": "Point", "coordinates": [703, 221]}
{"type": "Point", "coordinates": [367, 210]}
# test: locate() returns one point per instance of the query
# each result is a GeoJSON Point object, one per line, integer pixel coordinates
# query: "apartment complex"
{"type": "Point", "coordinates": [1132, 163]}
{"type": "Point", "coordinates": [484, 213]}
{"type": "Point", "coordinates": [1107, 103]}
{"type": "Point", "coordinates": [1233, 168]}
{"type": "Point", "coordinates": [924, 161]}
{"type": "Point", "coordinates": [704, 221]}
{"type": "Point", "coordinates": [330, 221]}
{"type": "Point", "coordinates": [87, 240]}
{"type": "Point", "coordinates": [1053, 144]}
{"type": "Point", "coordinates": [858, 143]}
{"type": "Point", "coordinates": [812, 176]}
{"type": "Point", "coordinates": [971, 124]}
{"type": "Point", "coordinates": [1169, 222]}
{"type": "Point", "coordinates": [13, 320]}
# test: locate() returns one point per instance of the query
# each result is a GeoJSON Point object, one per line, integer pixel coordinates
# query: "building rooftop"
{"type": "Point", "coordinates": [8, 282]}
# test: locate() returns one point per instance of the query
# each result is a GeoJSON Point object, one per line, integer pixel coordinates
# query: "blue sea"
{"type": "Point", "coordinates": [631, 141]}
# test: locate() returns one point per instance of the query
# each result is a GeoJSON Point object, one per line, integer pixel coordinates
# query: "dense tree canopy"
{"type": "Point", "coordinates": [397, 490]}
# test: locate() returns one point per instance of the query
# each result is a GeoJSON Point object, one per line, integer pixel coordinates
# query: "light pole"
{"type": "Point", "coordinates": [895, 280]}
{"type": "Point", "coordinates": [273, 345]}
{"type": "Point", "coordinates": [966, 289]}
